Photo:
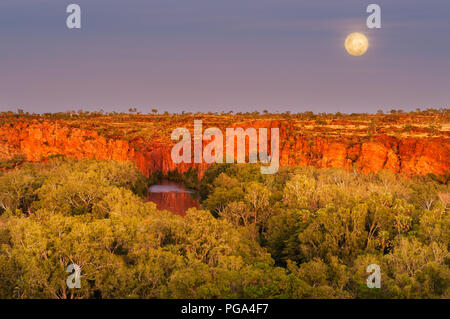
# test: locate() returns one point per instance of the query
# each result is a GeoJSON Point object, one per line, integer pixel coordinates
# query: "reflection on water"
{"type": "Point", "coordinates": [173, 197]}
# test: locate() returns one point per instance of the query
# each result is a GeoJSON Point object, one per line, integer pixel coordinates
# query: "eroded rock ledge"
{"type": "Point", "coordinates": [38, 140]}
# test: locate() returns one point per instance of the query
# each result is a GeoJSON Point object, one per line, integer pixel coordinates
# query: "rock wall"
{"type": "Point", "coordinates": [39, 140]}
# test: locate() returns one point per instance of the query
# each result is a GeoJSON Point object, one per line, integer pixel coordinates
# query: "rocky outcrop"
{"type": "Point", "coordinates": [38, 140]}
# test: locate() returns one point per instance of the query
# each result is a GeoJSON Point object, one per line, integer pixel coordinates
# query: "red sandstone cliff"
{"type": "Point", "coordinates": [412, 155]}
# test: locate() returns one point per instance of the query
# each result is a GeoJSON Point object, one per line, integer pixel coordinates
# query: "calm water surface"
{"type": "Point", "coordinates": [173, 197]}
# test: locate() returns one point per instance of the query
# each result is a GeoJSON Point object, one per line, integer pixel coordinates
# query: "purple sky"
{"type": "Point", "coordinates": [214, 55]}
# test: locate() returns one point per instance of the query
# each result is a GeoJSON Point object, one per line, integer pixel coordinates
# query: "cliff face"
{"type": "Point", "coordinates": [38, 141]}
{"type": "Point", "coordinates": [410, 155]}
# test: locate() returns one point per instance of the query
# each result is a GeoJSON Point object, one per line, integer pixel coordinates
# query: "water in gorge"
{"type": "Point", "coordinates": [173, 197]}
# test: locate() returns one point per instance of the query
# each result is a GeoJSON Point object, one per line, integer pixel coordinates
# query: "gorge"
{"type": "Point", "coordinates": [145, 141]}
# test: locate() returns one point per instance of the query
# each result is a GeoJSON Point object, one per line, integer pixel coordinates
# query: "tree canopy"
{"type": "Point", "coordinates": [302, 233]}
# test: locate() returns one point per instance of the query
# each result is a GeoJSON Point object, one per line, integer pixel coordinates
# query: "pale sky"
{"type": "Point", "coordinates": [215, 55]}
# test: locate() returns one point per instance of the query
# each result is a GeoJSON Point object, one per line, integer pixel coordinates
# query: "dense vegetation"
{"type": "Point", "coordinates": [302, 233]}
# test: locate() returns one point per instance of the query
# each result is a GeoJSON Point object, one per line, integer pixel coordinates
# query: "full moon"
{"type": "Point", "coordinates": [356, 44]}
